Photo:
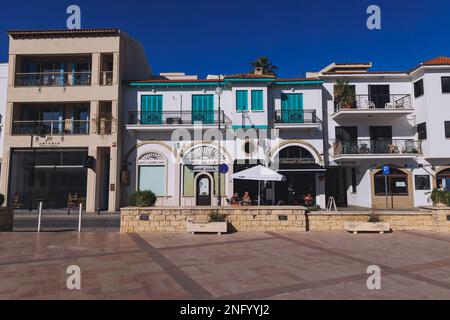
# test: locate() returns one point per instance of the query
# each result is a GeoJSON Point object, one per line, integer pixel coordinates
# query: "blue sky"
{"type": "Point", "coordinates": [210, 37]}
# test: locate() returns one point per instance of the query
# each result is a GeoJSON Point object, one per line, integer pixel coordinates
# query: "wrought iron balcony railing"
{"type": "Point", "coordinates": [296, 116]}
{"type": "Point", "coordinates": [176, 118]}
{"type": "Point", "coordinates": [368, 147]}
{"type": "Point", "coordinates": [382, 101]}
{"type": "Point", "coordinates": [53, 79]}
{"type": "Point", "coordinates": [50, 127]}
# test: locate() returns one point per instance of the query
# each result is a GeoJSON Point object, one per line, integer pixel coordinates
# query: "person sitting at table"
{"type": "Point", "coordinates": [234, 201]}
{"type": "Point", "coordinates": [246, 200]}
{"type": "Point", "coordinates": [309, 199]}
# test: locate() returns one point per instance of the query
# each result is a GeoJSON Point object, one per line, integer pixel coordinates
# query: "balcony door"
{"type": "Point", "coordinates": [347, 138]}
{"type": "Point", "coordinates": [203, 108]}
{"type": "Point", "coordinates": [151, 109]}
{"type": "Point", "coordinates": [380, 139]}
{"type": "Point", "coordinates": [379, 95]}
{"type": "Point", "coordinates": [292, 108]}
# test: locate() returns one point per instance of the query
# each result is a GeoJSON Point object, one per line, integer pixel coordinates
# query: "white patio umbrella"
{"type": "Point", "coordinates": [259, 173]}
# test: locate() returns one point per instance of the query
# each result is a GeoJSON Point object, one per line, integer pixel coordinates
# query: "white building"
{"type": "Point", "coordinates": [264, 120]}
{"type": "Point", "coordinates": [399, 119]}
{"type": "Point", "coordinates": [324, 144]}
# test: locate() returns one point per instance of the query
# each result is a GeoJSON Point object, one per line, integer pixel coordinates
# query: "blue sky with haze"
{"type": "Point", "coordinates": [210, 37]}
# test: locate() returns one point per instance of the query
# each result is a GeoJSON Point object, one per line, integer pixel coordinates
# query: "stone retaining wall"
{"type": "Point", "coordinates": [6, 219]}
{"type": "Point", "coordinates": [239, 218]}
{"type": "Point", "coordinates": [399, 221]}
{"type": "Point", "coordinates": [279, 219]}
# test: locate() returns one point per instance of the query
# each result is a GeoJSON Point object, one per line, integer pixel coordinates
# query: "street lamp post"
{"type": "Point", "coordinates": [219, 92]}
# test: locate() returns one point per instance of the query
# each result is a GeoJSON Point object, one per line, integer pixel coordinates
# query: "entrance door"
{"type": "Point", "coordinates": [292, 108]}
{"type": "Point", "coordinates": [203, 191]}
{"type": "Point", "coordinates": [380, 139]}
{"type": "Point", "coordinates": [379, 95]}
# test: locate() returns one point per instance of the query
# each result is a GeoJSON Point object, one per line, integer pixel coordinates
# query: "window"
{"type": "Point", "coordinates": [445, 84]}
{"type": "Point", "coordinates": [242, 100]}
{"type": "Point", "coordinates": [422, 182]}
{"type": "Point", "coordinates": [447, 129]}
{"type": "Point", "coordinates": [397, 184]}
{"type": "Point", "coordinates": [152, 178]}
{"type": "Point", "coordinates": [422, 131]}
{"type": "Point", "coordinates": [354, 184]}
{"type": "Point", "coordinates": [249, 148]}
{"type": "Point", "coordinates": [346, 133]}
{"type": "Point", "coordinates": [151, 109]}
{"type": "Point", "coordinates": [152, 173]}
{"type": "Point", "coordinates": [257, 100]}
{"type": "Point", "coordinates": [418, 88]}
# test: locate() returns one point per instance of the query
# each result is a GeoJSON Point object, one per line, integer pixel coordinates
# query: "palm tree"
{"type": "Point", "coordinates": [264, 63]}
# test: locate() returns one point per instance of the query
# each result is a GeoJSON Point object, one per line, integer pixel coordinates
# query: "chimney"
{"type": "Point", "coordinates": [259, 71]}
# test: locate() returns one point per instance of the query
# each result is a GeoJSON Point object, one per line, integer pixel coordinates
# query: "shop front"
{"type": "Point", "coordinates": [47, 176]}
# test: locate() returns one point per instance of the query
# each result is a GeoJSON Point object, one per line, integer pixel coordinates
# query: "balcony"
{"type": "Point", "coordinates": [370, 149]}
{"type": "Point", "coordinates": [51, 127]}
{"type": "Point", "coordinates": [170, 120]}
{"type": "Point", "coordinates": [53, 79]}
{"type": "Point", "coordinates": [296, 119]}
{"type": "Point", "coordinates": [373, 106]}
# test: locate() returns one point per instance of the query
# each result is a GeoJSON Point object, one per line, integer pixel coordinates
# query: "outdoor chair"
{"type": "Point", "coordinates": [73, 201]}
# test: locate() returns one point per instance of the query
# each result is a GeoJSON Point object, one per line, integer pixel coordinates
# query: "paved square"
{"type": "Point", "coordinates": [237, 266]}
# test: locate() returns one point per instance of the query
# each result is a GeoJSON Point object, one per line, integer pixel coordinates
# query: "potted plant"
{"type": "Point", "coordinates": [440, 198]}
{"type": "Point", "coordinates": [217, 223]}
{"type": "Point", "coordinates": [343, 95]}
{"type": "Point", "coordinates": [373, 224]}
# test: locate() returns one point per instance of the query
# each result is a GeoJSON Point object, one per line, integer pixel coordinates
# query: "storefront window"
{"type": "Point", "coordinates": [397, 183]}
{"type": "Point", "coordinates": [152, 174]}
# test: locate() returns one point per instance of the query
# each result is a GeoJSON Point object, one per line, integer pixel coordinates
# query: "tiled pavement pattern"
{"type": "Point", "coordinates": [25, 221]}
{"type": "Point", "coordinates": [236, 266]}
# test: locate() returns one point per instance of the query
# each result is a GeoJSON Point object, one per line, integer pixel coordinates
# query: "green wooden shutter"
{"type": "Point", "coordinates": [292, 108]}
{"type": "Point", "coordinates": [257, 100]}
{"type": "Point", "coordinates": [242, 100]}
{"type": "Point", "coordinates": [203, 108]}
{"type": "Point", "coordinates": [151, 109]}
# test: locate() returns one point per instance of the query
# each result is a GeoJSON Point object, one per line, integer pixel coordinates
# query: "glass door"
{"type": "Point", "coordinates": [380, 139]}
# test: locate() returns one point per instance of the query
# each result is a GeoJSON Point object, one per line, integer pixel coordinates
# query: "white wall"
{"type": "Point", "coordinates": [3, 90]}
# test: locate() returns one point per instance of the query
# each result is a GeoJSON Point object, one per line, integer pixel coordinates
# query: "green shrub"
{"type": "Point", "coordinates": [2, 199]}
{"type": "Point", "coordinates": [441, 196]}
{"type": "Point", "coordinates": [374, 218]}
{"type": "Point", "coordinates": [215, 216]}
{"type": "Point", "coordinates": [142, 199]}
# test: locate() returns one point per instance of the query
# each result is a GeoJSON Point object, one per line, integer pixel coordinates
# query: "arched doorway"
{"type": "Point", "coordinates": [203, 190]}
{"type": "Point", "coordinates": [399, 193]}
{"type": "Point", "coordinates": [443, 180]}
{"type": "Point", "coordinates": [301, 170]}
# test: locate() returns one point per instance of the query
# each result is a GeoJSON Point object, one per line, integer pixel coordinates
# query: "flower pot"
{"type": "Point", "coordinates": [210, 227]}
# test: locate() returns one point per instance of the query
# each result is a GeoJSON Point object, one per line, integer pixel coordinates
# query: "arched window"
{"type": "Point", "coordinates": [397, 183]}
{"type": "Point", "coordinates": [295, 157]}
{"type": "Point", "coordinates": [152, 173]}
{"type": "Point", "coordinates": [443, 179]}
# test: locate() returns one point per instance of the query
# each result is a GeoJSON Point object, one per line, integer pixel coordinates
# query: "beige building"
{"type": "Point", "coordinates": [63, 123]}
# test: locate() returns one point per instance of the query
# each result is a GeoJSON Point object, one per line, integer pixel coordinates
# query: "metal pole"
{"type": "Point", "coordinates": [219, 178]}
{"type": "Point", "coordinates": [79, 217]}
{"type": "Point", "coordinates": [39, 217]}
{"type": "Point", "coordinates": [386, 189]}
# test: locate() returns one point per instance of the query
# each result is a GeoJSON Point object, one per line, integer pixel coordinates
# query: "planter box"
{"type": "Point", "coordinates": [212, 227]}
{"type": "Point", "coordinates": [6, 219]}
{"type": "Point", "coordinates": [356, 227]}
